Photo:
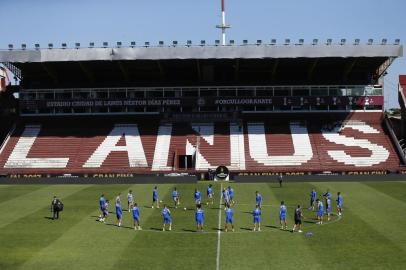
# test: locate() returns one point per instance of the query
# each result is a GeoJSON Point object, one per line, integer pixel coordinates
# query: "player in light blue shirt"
{"type": "Point", "coordinates": [166, 214]}
{"type": "Point", "coordinates": [155, 197]}
{"type": "Point", "coordinates": [102, 203]}
{"type": "Point", "coordinates": [175, 197]}
{"type": "Point", "coordinates": [339, 203]}
{"type": "Point", "coordinates": [198, 197]}
{"type": "Point", "coordinates": [231, 195]}
{"type": "Point", "coordinates": [258, 199]}
{"type": "Point", "coordinates": [320, 209]}
{"type": "Point", "coordinates": [282, 216]}
{"type": "Point", "coordinates": [199, 216]}
{"type": "Point", "coordinates": [313, 196]}
{"type": "Point", "coordinates": [229, 218]}
{"type": "Point", "coordinates": [119, 210]}
{"type": "Point", "coordinates": [130, 200]}
{"type": "Point", "coordinates": [257, 218]}
{"type": "Point", "coordinates": [136, 216]}
{"type": "Point", "coordinates": [328, 209]}
{"type": "Point", "coordinates": [210, 194]}
{"type": "Point", "coordinates": [226, 197]}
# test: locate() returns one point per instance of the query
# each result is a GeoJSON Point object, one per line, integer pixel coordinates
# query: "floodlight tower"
{"type": "Point", "coordinates": [223, 26]}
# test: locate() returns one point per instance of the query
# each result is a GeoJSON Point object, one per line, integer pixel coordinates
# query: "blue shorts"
{"type": "Point", "coordinates": [319, 214]}
{"type": "Point", "coordinates": [198, 201]}
{"type": "Point", "coordinates": [257, 220]}
{"type": "Point", "coordinates": [231, 197]}
{"type": "Point", "coordinates": [154, 199]}
{"type": "Point", "coordinates": [328, 210]}
{"type": "Point", "coordinates": [339, 206]}
{"type": "Point", "coordinates": [119, 215]}
{"type": "Point", "coordinates": [229, 221]}
{"type": "Point", "coordinates": [282, 217]}
{"type": "Point", "coordinates": [167, 220]}
{"type": "Point", "coordinates": [136, 218]}
{"type": "Point", "coordinates": [199, 221]}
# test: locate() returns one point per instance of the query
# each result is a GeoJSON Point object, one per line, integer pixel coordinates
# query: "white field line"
{"type": "Point", "coordinates": [219, 231]}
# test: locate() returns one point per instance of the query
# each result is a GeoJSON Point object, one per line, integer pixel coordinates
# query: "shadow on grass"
{"type": "Point", "coordinates": [188, 230]}
{"type": "Point", "coordinates": [272, 226]}
{"type": "Point", "coordinates": [122, 227]}
{"type": "Point", "coordinates": [155, 229]}
{"type": "Point", "coordinates": [246, 229]}
{"type": "Point", "coordinates": [50, 218]}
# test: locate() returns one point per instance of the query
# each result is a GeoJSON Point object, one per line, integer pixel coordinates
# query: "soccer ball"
{"type": "Point", "coordinates": [160, 201]}
{"type": "Point", "coordinates": [185, 208]}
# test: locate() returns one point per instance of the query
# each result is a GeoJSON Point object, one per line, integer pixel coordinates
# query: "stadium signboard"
{"type": "Point", "coordinates": [226, 101]}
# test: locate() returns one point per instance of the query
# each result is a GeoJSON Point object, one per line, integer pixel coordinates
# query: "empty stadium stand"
{"type": "Point", "coordinates": [276, 143]}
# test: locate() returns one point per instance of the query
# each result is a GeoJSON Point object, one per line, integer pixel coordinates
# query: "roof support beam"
{"type": "Point", "coordinates": [349, 67]}
{"type": "Point", "coordinates": [310, 72]}
{"type": "Point", "coordinates": [161, 70]}
{"type": "Point", "coordinates": [87, 72]}
{"type": "Point", "coordinates": [124, 71]}
{"type": "Point", "coordinates": [274, 69]}
{"type": "Point", "coordinates": [198, 70]}
{"type": "Point", "coordinates": [50, 72]}
{"type": "Point", "coordinates": [237, 70]}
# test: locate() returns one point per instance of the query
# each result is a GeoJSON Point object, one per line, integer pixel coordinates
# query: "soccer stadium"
{"type": "Point", "coordinates": [264, 154]}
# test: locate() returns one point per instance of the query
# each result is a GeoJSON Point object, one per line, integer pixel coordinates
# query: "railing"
{"type": "Point", "coordinates": [395, 141]}
{"type": "Point", "coordinates": [263, 90]}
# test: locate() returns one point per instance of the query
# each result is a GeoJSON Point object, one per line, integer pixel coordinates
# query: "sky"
{"type": "Point", "coordinates": [84, 21]}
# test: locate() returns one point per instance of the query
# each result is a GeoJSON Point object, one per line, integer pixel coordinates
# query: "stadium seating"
{"type": "Point", "coordinates": [280, 143]}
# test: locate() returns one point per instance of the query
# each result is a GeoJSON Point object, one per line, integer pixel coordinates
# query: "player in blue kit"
{"type": "Point", "coordinates": [320, 209]}
{"type": "Point", "coordinates": [226, 198]}
{"type": "Point", "coordinates": [198, 197]}
{"type": "Point", "coordinates": [328, 209]}
{"type": "Point", "coordinates": [327, 195]}
{"type": "Point", "coordinates": [102, 203]}
{"type": "Point", "coordinates": [231, 195]}
{"type": "Point", "coordinates": [136, 217]}
{"type": "Point", "coordinates": [258, 199]}
{"type": "Point", "coordinates": [257, 218]}
{"type": "Point", "coordinates": [282, 216]}
{"type": "Point", "coordinates": [339, 203]}
{"type": "Point", "coordinates": [229, 218]}
{"type": "Point", "coordinates": [155, 197]}
{"type": "Point", "coordinates": [199, 216]}
{"type": "Point", "coordinates": [313, 196]}
{"type": "Point", "coordinates": [210, 194]}
{"type": "Point", "coordinates": [119, 210]}
{"type": "Point", "coordinates": [166, 214]}
{"type": "Point", "coordinates": [130, 200]}
{"type": "Point", "coordinates": [175, 197]}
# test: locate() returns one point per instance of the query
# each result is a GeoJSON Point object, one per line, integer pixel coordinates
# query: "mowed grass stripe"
{"type": "Point", "coordinates": [382, 212]}
{"type": "Point", "coordinates": [396, 190]}
{"type": "Point", "coordinates": [370, 250]}
{"type": "Point", "coordinates": [92, 245]}
{"type": "Point", "coordinates": [27, 232]}
{"type": "Point", "coordinates": [168, 250]}
{"type": "Point", "coordinates": [239, 251]}
{"type": "Point", "coordinates": [13, 192]}
{"type": "Point", "coordinates": [29, 203]}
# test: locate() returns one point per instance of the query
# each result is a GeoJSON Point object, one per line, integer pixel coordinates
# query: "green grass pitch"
{"type": "Point", "coordinates": [370, 235]}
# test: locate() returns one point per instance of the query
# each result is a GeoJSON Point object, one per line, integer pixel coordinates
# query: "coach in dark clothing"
{"type": "Point", "coordinates": [56, 207]}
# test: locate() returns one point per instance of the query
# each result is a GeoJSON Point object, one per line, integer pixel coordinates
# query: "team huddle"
{"type": "Point", "coordinates": [227, 197]}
